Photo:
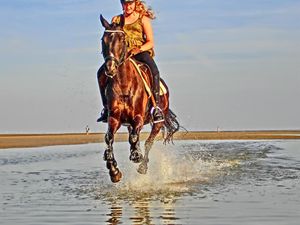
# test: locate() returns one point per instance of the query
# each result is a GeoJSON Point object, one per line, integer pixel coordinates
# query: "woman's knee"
{"type": "Point", "coordinates": [146, 58]}
{"type": "Point", "coordinates": [100, 72]}
{"type": "Point", "coordinates": [101, 77]}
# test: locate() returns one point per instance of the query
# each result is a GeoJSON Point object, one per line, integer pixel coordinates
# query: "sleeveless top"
{"type": "Point", "coordinates": [134, 34]}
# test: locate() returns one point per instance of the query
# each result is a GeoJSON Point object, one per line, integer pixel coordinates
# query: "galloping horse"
{"type": "Point", "coordinates": [128, 101]}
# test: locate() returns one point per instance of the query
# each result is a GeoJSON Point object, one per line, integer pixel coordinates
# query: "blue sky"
{"type": "Point", "coordinates": [232, 64]}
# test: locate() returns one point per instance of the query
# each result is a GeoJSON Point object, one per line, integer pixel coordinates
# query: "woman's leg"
{"type": "Point", "coordinates": [102, 84]}
{"type": "Point", "coordinates": [146, 58]}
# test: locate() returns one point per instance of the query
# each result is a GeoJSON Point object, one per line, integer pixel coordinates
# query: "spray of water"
{"type": "Point", "coordinates": [171, 173]}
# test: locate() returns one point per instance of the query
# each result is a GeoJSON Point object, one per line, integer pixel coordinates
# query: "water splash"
{"type": "Point", "coordinates": [183, 169]}
{"type": "Point", "coordinates": [170, 175]}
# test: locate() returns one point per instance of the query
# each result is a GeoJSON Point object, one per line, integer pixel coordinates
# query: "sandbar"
{"type": "Point", "coordinates": [38, 140]}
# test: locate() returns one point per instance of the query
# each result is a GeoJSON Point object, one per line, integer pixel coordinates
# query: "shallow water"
{"type": "Point", "coordinates": [191, 182]}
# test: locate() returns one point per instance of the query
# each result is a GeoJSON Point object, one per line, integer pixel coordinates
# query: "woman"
{"type": "Point", "coordinates": [140, 44]}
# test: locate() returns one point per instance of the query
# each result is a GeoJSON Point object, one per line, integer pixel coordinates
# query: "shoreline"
{"type": "Point", "coordinates": [39, 140]}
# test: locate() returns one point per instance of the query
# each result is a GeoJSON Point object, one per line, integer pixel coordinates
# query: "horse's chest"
{"type": "Point", "coordinates": [125, 98]}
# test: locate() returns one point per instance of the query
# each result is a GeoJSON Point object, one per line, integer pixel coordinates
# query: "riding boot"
{"type": "Point", "coordinates": [104, 112]}
{"type": "Point", "coordinates": [156, 112]}
{"type": "Point", "coordinates": [102, 85]}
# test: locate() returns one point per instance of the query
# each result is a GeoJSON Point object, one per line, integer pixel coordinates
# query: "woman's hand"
{"type": "Point", "coordinates": [134, 51]}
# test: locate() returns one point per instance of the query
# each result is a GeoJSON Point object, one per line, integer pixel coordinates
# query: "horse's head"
{"type": "Point", "coordinates": [113, 46]}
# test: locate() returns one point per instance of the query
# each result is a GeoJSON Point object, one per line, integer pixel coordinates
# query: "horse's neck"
{"type": "Point", "coordinates": [125, 73]}
{"type": "Point", "coordinates": [123, 82]}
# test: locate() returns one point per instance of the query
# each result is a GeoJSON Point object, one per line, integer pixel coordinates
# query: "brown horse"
{"type": "Point", "coordinates": [128, 102]}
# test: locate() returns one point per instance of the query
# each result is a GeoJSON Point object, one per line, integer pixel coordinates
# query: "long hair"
{"type": "Point", "coordinates": [143, 9]}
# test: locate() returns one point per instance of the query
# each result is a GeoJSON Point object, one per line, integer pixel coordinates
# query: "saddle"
{"type": "Point", "coordinates": [141, 69]}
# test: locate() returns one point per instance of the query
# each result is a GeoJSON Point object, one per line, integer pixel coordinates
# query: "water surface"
{"type": "Point", "coordinates": [191, 182]}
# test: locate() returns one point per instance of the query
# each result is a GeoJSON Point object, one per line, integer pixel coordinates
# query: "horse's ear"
{"type": "Point", "coordinates": [104, 22]}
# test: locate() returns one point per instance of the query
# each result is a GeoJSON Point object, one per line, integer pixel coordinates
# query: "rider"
{"type": "Point", "coordinates": [140, 44]}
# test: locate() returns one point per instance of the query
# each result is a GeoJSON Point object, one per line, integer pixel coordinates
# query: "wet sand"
{"type": "Point", "coordinates": [39, 140]}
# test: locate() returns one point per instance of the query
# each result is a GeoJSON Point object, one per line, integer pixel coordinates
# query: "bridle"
{"type": "Point", "coordinates": [111, 57]}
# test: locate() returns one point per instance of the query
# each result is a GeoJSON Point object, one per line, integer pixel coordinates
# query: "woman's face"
{"type": "Point", "coordinates": [128, 7]}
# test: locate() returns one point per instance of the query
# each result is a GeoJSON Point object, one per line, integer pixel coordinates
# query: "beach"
{"type": "Point", "coordinates": [38, 140]}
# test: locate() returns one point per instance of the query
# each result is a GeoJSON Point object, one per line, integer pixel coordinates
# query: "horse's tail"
{"type": "Point", "coordinates": [171, 126]}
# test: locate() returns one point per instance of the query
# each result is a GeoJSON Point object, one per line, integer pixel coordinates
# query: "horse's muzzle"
{"type": "Point", "coordinates": [109, 74]}
{"type": "Point", "coordinates": [111, 68]}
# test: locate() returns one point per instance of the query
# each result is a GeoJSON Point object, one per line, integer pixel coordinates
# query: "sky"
{"type": "Point", "coordinates": [230, 64]}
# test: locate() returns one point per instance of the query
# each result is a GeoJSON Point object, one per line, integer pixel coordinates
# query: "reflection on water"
{"type": "Point", "coordinates": [116, 214]}
{"type": "Point", "coordinates": [189, 183]}
{"type": "Point", "coordinates": [138, 205]}
{"type": "Point", "coordinates": [143, 211]}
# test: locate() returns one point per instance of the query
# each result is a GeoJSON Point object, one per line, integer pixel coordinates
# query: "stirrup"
{"type": "Point", "coordinates": [103, 116]}
{"type": "Point", "coordinates": [157, 114]}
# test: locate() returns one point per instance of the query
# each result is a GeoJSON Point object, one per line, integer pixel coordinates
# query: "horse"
{"type": "Point", "coordinates": [128, 101]}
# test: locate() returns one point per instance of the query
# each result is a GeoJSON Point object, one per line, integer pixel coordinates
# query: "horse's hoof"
{"type": "Point", "coordinates": [142, 168]}
{"type": "Point", "coordinates": [136, 157]}
{"type": "Point", "coordinates": [115, 178]}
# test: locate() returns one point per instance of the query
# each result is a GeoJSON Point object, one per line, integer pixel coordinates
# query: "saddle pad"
{"type": "Point", "coordinates": [163, 89]}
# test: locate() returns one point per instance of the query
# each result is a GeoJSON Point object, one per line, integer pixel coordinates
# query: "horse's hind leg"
{"type": "Point", "coordinates": [143, 167]}
{"type": "Point", "coordinates": [111, 163]}
{"type": "Point", "coordinates": [134, 140]}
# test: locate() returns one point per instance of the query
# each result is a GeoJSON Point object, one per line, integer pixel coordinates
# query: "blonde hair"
{"type": "Point", "coordinates": [143, 9]}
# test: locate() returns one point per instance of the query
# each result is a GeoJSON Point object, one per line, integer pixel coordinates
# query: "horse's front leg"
{"type": "Point", "coordinates": [111, 163]}
{"type": "Point", "coordinates": [134, 139]}
{"type": "Point", "coordinates": [143, 167]}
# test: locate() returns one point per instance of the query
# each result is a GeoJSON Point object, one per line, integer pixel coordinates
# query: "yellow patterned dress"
{"type": "Point", "coordinates": [135, 36]}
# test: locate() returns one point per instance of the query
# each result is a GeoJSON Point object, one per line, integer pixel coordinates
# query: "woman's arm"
{"type": "Point", "coordinates": [147, 26]}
